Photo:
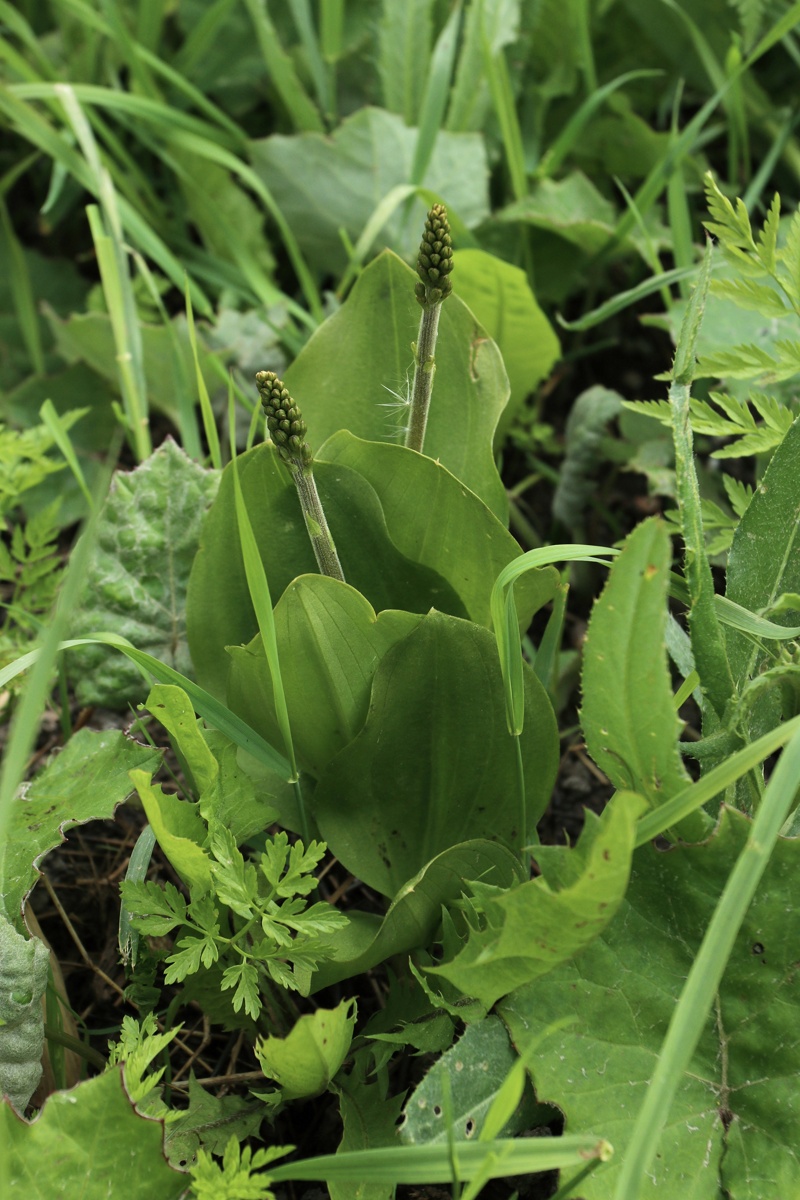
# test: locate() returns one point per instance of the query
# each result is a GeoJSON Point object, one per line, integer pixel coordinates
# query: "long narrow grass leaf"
{"type": "Point", "coordinates": [209, 424]}
{"type": "Point", "coordinates": [258, 587]}
{"type": "Point", "coordinates": [209, 708]}
{"type": "Point", "coordinates": [60, 435]}
{"type": "Point", "coordinates": [569, 135]}
{"type": "Point", "coordinates": [626, 299]}
{"type": "Point", "coordinates": [431, 1163]}
{"type": "Point", "coordinates": [437, 90]}
{"type": "Point", "coordinates": [296, 100]}
{"type": "Point", "coordinates": [506, 622]}
{"type": "Point", "coordinates": [19, 280]}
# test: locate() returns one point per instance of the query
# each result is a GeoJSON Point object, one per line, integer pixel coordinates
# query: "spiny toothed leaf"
{"type": "Point", "coordinates": [284, 420]}
{"type": "Point", "coordinates": [435, 260]}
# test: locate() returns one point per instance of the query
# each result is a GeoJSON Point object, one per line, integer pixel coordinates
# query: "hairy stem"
{"type": "Point", "coordinates": [287, 430]}
{"type": "Point", "coordinates": [424, 371]}
{"type": "Point", "coordinates": [314, 516]}
{"type": "Point", "coordinates": [434, 264]}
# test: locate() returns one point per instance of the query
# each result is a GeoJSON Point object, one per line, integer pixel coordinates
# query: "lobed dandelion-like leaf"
{"type": "Point", "coordinates": [435, 259]}
{"type": "Point", "coordinates": [284, 421]}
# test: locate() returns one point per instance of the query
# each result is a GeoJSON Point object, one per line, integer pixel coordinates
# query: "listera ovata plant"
{"type": "Point", "coordinates": [285, 423]}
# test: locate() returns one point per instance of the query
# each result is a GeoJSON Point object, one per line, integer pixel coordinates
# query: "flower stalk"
{"type": "Point", "coordinates": [287, 429]}
{"type": "Point", "coordinates": [434, 264]}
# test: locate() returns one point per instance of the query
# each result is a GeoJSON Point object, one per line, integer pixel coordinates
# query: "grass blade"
{"type": "Point", "coordinates": [298, 104]}
{"type": "Point", "coordinates": [258, 586]}
{"type": "Point", "coordinates": [22, 292]}
{"type": "Point", "coordinates": [432, 1164]}
{"type": "Point", "coordinates": [206, 705]}
{"type": "Point", "coordinates": [209, 424]}
{"type": "Point", "coordinates": [437, 89]}
{"type": "Point", "coordinates": [506, 622]}
{"type": "Point", "coordinates": [714, 782]}
{"type": "Point", "coordinates": [61, 437]}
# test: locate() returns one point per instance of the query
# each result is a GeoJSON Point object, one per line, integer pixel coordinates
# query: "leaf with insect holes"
{"type": "Point", "coordinates": [306, 1060]}
{"type": "Point", "coordinates": [732, 1126]}
{"type": "Point", "coordinates": [475, 1069]}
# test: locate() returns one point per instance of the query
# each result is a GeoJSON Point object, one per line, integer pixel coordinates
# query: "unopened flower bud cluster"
{"type": "Point", "coordinates": [284, 421]}
{"type": "Point", "coordinates": [435, 261]}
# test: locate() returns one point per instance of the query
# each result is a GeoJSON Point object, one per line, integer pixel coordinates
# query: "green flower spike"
{"type": "Point", "coordinates": [435, 260]}
{"type": "Point", "coordinates": [284, 421]}
{"type": "Point", "coordinates": [287, 429]}
{"type": "Point", "coordinates": [434, 264]}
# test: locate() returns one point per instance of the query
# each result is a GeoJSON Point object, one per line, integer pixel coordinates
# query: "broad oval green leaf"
{"type": "Point", "coordinates": [435, 520]}
{"type": "Point", "coordinates": [326, 183]}
{"type": "Point", "coordinates": [219, 611]}
{"type": "Point", "coordinates": [330, 641]}
{"type": "Point", "coordinates": [500, 297]}
{"type": "Point", "coordinates": [434, 764]}
{"type": "Point", "coordinates": [416, 910]}
{"type": "Point", "coordinates": [345, 376]}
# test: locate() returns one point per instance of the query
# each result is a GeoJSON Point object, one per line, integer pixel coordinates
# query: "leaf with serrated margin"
{"type": "Point", "coordinates": [764, 562]}
{"type": "Point", "coordinates": [532, 928]}
{"type": "Point", "coordinates": [85, 781]}
{"type": "Point", "coordinates": [628, 717]}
